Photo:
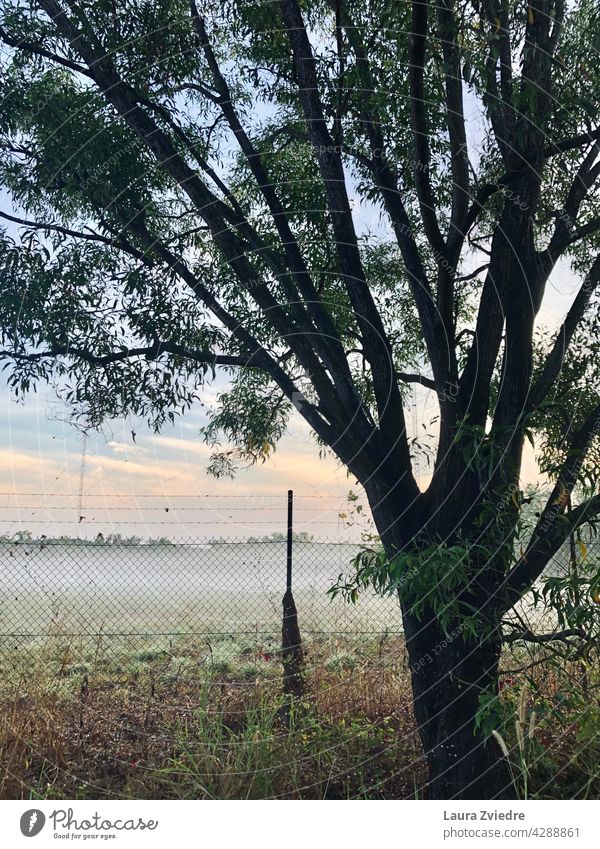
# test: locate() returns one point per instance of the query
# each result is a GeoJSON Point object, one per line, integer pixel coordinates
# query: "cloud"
{"type": "Point", "coordinates": [119, 447]}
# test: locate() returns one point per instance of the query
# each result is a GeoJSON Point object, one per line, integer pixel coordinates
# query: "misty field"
{"type": "Point", "coordinates": [154, 671]}
{"type": "Point", "coordinates": [122, 588]}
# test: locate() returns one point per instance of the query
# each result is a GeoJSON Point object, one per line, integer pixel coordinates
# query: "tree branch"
{"type": "Point", "coordinates": [323, 322]}
{"type": "Point", "coordinates": [386, 180]}
{"type": "Point", "coordinates": [417, 58]}
{"type": "Point", "coordinates": [554, 361]}
{"type": "Point", "coordinates": [565, 233]}
{"type": "Point", "coordinates": [407, 377]}
{"type": "Point", "coordinates": [38, 50]}
{"type": "Point", "coordinates": [530, 637]}
{"type": "Point", "coordinates": [499, 101]}
{"type": "Point", "coordinates": [553, 526]}
{"type": "Point", "coordinates": [215, 213]}
{"type": "Point", "coordinates": [530, 566]}
{"type": "Point", "coordinates": [572, 143]}
{"type": "Point", "coordinates": [455, 114]}
{"type": "Point", "coordinates": [375, 340]}
{"type": "Point", "coordinates": [67, 231]}
{"type": "Point", "coordinates": [151, 352]}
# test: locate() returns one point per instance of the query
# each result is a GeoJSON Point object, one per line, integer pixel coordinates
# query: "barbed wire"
{"type": "Point", "coordinates": [281, 496]}
{"type": "Point", "coordinates": [151, 522]}
{"type": "Point", "coordinates": [161, 508]}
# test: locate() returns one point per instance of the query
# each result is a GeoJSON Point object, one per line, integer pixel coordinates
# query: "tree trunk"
{"type": "Point", "coordinates": [449, 673]}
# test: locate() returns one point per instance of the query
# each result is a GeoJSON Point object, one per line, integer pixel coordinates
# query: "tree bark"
{"type": "Point", "coordinates": [449, 672]}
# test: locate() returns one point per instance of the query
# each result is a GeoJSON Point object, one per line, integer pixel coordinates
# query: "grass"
{"type": "Point", "coordinates": [186, 718]}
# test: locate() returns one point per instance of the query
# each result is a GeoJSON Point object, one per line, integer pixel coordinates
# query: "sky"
{"type": "Point", "coordinates": [158, 485]}
{"type": "Point", "coordinates": [45, 487]}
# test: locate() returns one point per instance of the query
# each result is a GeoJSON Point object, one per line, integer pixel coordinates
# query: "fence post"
{"type": "Point", "coordinates": [290, 538]}
{"type": "Point", "coordinates": [292, 655]}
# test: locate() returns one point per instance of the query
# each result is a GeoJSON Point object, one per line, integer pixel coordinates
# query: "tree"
{"type": "Point", "coordinates": [191, 184]}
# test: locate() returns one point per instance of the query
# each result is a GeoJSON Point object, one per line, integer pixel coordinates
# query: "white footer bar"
{"type": "Point", "coordinates": [300, 825]}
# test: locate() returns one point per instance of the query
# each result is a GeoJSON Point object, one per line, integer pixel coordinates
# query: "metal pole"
{"type": "Point", "coordinates": [290, 510]}
{"type": "Point", "coordinates": [292, 655]}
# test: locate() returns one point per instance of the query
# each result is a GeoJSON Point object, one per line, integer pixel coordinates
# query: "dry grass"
{"type": "Point", "coordinates": [185, 719]}
{"type": "Point", "coordinates": [143, 728]}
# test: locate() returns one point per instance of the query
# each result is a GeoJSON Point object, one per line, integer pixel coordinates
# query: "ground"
{"type": "Point", "coordinates": [190, 718]}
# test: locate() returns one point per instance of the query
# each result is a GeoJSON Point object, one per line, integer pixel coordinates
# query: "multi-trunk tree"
{"type": "Point", "coordinates": [328, 201]}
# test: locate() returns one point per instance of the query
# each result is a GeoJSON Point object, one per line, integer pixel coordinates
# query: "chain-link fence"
{"type": "Point", "coordinates": [123, 597]}
{"type": "Point", "coordinates": [87, 600]}
{"type": "Point", "coordinates": [86, 588]}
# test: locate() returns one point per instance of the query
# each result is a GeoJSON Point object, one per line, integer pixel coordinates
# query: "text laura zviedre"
{"type": "Point", "coordinates": [501, 816]}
